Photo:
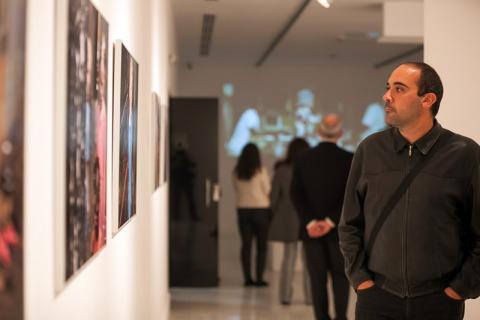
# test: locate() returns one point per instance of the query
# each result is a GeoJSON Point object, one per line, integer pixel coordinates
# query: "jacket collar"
{"type": "Point", "coordinates": [424, 144]}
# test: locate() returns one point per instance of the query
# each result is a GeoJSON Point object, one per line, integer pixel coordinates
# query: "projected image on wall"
{"type": "Point", "coordinates": [272, 127]}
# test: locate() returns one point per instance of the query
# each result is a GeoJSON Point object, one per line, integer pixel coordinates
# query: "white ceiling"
{"type": "Point", "coordinates": [244, 29]}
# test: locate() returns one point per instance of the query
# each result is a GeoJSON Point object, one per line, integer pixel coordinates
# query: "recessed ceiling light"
{"type": "Point", "coordinates": [325, 3]}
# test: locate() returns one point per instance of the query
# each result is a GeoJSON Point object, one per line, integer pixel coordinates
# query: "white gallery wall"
{"type": "Point", "coordinates": [453, 49]}
{"type": "Point", "coordinates": [128, 278]}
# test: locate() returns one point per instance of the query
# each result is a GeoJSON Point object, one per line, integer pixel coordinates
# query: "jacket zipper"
{"type": "Point", "coordinates": [405, 220]}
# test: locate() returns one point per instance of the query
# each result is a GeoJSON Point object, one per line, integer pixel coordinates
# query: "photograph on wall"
{"type": "Point", "coordinates": [126, 76]}
{"type": "Point", "coordinates": [86, 127]}
{"type": "Point", "coordinates": [12, 62]}
{"type": "Point", "coordinates": [166, 145]}
{"type": "Point", "coordinates": [157, 125]}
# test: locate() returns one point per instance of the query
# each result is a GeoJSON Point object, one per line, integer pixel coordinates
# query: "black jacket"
{"type": "Point", "coordinates": [431, 239]}
{"type": "Point", "coordinates": [318, 184]}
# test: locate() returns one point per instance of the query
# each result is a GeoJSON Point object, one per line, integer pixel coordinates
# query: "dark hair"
{"type": "Point", "coordinates": [428, 82]}
{"type": "Point", "coordinates": [296, 149]}
{"type": "Point", "coordinates": [248, 163]}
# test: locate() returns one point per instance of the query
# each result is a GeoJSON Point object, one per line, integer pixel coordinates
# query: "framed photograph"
{"type": "Point", "coordinates": [157, 136]}
{"type": "Point", "coordinates": [125, 113]}
{"type": "Point", "coordinates": [86, 134]}
{"type": "Point", "coordinates": [166, 145]}
{"type": "Point", "coordinates": [12, 75]}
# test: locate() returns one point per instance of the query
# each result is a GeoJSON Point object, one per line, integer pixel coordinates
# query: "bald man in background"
{"type": "Point", "coordinates": [318, 186]}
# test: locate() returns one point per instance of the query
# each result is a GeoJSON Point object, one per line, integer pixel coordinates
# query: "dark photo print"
{"type": "Point", "coordinates": [128, 136]}
{"type": "Point", "coordinates": [12, 62]}
{"type": "Point", "coordinates": [86, 134]}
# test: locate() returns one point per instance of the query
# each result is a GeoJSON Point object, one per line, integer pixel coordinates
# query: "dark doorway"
{"type": "Point", "coordinates": [193, 192]}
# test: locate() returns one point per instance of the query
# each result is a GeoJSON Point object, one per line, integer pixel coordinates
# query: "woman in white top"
{"type": "Point", "coordinates": [252, 186]}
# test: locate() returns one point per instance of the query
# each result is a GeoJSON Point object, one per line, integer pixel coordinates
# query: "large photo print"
{"type": "Point", "coordinates": [12, 62]}
{"type": "Point", "coordinates": [128, 134]}
{"type": "Point", "coordinates": [86, 134]}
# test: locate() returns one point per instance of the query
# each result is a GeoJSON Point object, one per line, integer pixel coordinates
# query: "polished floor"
{"type": "Point", "coordinates": [231, 301]}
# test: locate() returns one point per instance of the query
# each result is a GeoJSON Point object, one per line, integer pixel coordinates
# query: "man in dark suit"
{"type": "Point", "coordinates": [317, 191]}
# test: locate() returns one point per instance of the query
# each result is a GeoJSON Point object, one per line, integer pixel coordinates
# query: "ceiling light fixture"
{"type": "Point", "coordinates": [325, 3]}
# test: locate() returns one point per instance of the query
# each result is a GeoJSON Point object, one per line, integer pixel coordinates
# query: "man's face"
{"type": "Point", "coordinates": [402, 104]}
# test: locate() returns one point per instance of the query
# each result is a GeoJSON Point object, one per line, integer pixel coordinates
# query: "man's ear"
{"type": "Point", "coordinates": [429, 99]}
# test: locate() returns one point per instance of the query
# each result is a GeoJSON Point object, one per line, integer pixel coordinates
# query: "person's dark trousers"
{"type": "Point", "coordinates": [377, 304]}
{"type": "Point", "coordinates": [253, 223]}
{"type": "Point", "coordinates": [323, 256]}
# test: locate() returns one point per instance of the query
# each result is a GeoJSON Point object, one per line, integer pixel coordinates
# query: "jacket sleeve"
{"type": "Point", "coordinates": [352, 225]}
{"type": "Point", "coordinates": [467, 282]}
{"type": "Point", "coordinates": [299, 197]}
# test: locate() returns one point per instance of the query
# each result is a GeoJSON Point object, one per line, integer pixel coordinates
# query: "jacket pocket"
{"type": "Point", "coordinates": [448, 248]}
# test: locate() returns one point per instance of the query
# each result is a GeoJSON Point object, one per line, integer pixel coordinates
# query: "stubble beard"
{"type": "Point", "coordinates": [390, 116]}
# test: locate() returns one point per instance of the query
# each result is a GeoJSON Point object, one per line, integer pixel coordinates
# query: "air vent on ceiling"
{"type": "Point", "coordinates": [358, 36]}
{"type": "Point", "coordinates": [207, 31]}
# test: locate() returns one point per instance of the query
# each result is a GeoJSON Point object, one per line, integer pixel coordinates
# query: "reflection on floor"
{"type": "Point", "coordinates": [234, 302]}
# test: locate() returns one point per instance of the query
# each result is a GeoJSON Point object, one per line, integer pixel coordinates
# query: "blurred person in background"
{"type": "Point", "coordinates": [252, 188]}
{"type": "Point", "coordinates": [285, 227]}
{"type": "Point", "coordinates": [318, 187]}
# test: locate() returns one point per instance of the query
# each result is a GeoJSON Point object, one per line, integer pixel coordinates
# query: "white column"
{"type": "Point", "coordinates": [452, 47]}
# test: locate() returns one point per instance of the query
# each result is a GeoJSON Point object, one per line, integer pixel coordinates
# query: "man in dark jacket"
{"type": "Point", "coordinates": [426, 257]}
{"type": "Point", "coordinates": [317, 191]}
